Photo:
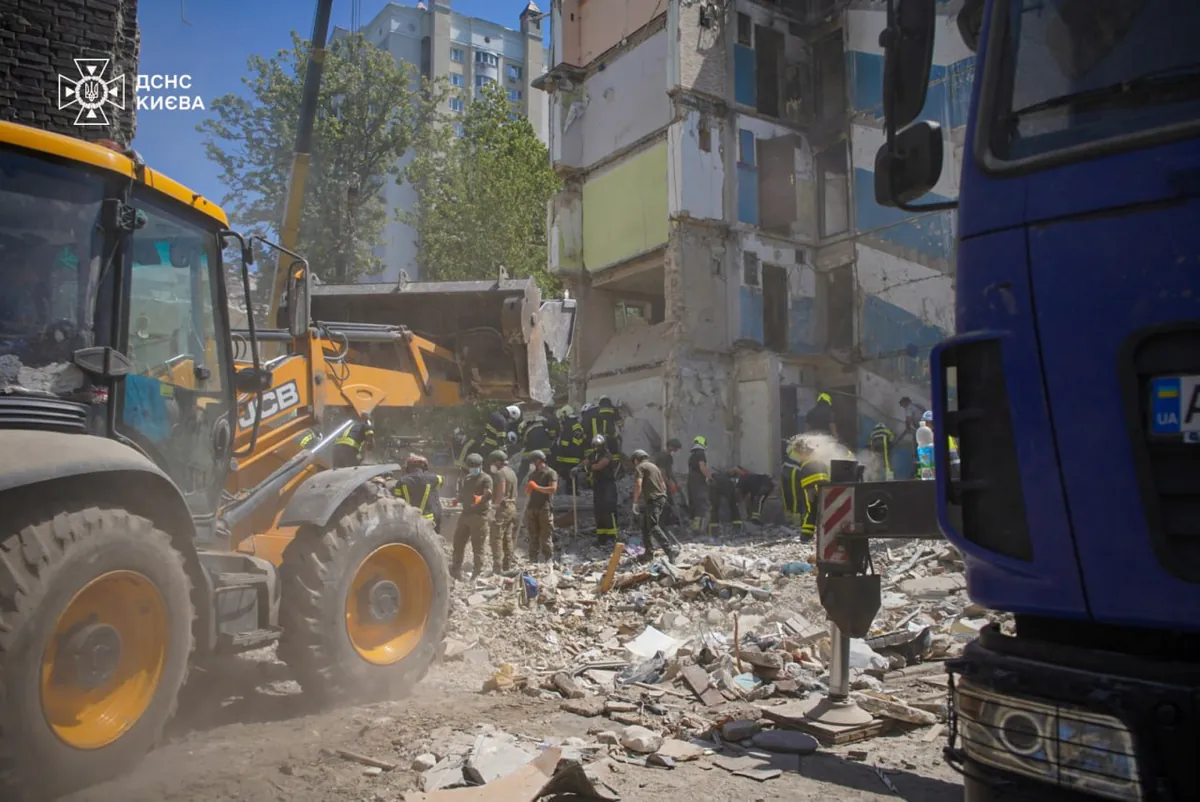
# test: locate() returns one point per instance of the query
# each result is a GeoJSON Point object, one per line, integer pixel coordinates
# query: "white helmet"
{"type": "Point", "coordinates": [514, 412]}
{"type": "Point", "coordinates": [587, 408]}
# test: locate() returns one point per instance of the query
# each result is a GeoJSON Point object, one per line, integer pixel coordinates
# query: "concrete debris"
{"type": "Point", "coordinates": [786, 741]}
{"type": "Point", "coordinates": [547, 775]}
{"type": "Point", "coordinates": [641, 740]}
{"type": "Point", "coordinates": [682, 659]}
{"type": "Point", "coordinates": [739, 730]}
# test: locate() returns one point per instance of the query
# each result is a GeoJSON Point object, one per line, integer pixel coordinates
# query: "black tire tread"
{"type": "Point", "coordinates": [27, 560]}
{"type": "Point", "coordinates": [312, 566]}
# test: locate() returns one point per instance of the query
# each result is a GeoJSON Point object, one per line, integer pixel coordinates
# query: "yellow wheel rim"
{"type": "Point", "coordinates": [103, 663]}
{"type": "Point", "coordinates": [388, 606]}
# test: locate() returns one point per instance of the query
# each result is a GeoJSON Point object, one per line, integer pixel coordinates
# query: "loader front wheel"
{"type": "Point", "coordinates": [95, 636]}
{"type": "Point", "coordinates": [365, 602]}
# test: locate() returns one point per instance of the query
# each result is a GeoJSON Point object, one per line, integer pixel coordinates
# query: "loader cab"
{"type": "Point", "coordinates": [113, 313]}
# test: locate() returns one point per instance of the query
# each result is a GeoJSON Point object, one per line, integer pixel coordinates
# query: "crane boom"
{"type": "Point", "coordinates": [294, 201]}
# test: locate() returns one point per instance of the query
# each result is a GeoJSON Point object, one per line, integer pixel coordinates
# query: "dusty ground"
{"type": "Point", "coordinates": [263, 746]}
{"type": "Point", "coordinates": [247, 733]}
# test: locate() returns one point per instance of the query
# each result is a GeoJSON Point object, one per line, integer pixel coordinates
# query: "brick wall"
{"type": "Point", "coordinates": [703, 63]}
{"type": "Point", "coordinates": [40, 39]}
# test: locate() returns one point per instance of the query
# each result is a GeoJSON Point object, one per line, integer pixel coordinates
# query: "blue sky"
{"type": "Point", "coordinates": [213, 49]}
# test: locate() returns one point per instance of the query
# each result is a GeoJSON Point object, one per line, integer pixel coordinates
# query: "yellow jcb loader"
{"type": "Point", "coordinates": [156, 506]}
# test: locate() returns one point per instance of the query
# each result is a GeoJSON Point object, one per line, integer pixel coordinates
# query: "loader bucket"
{"type": "Point", "coordinates": [493, 327]}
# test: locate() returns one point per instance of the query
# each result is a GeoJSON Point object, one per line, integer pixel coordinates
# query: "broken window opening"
{"type": "Point", "coordinates": [833, 190]}
{"type": "Point", "coordinates": [768, 61]}
{"type": "Point", "coordinates": [750, 269]}
{"type": "Point", "coordinates": [839, 308]}
{"type": "Point", "coordinates": [632, 312]}
{"type": "Point", "coordinates": [829, 56]}
{"type": "Point", "coordinates": [745, 30]}
{"type": "Point", "coordinates": [775, 307]}
{"type": "Point", "coordinates": [705, 136]}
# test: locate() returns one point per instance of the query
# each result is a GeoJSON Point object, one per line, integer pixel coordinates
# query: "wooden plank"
{"type": "Point", "coordinates": [611, 571]}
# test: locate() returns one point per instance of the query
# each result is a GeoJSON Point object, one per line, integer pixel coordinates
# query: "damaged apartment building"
{"type": "Point", "coordinates": [717, 222]}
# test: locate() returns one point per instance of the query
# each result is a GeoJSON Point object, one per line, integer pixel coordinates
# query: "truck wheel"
{"type": "Point", "coordinates": [95, 636]}
{"type": "Point", "coordinates": [364, 602]}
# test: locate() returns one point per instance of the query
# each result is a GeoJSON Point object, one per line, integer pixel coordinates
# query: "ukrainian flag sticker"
{"type": "Point", "coordinates": [1164, 405]}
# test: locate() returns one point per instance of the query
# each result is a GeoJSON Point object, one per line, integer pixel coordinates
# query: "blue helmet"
{"type": "Point", "coordinates": [928, 416]}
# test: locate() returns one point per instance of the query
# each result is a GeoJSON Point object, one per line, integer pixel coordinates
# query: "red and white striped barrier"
{"type": "Point", "coordinates": [837, 507]}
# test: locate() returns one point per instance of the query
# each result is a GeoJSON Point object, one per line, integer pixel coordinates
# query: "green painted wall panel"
{"type": "Point", "coordinates": [625, 209]}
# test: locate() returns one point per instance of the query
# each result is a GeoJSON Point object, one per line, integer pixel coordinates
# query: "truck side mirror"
{"type": "Point", "coordinates": [907, 43]}
{"type": "Point", "coordinates": [911, 167]}
{"type": "Point", "coordinates": [970, 23]}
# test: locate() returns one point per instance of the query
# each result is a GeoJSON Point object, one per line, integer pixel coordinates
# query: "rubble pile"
{"type": "Point", "coordinates": [708, 658]}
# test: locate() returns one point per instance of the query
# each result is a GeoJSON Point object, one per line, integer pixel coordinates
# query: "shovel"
{"type": "Point", "coordinates": [574, 508]}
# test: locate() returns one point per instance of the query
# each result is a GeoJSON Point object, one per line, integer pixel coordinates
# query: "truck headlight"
{"type": "Point", "coordinates": [1061, 745]}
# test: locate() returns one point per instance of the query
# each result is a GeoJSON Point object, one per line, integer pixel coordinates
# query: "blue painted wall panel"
{"type": "Point", "coordinates": [747, 195]}
{"type": "Point", "coordinates": [802, 326]}
{"type": "Point", "coordinates": [926, 237]}
{"type": "Point", "coordinates": [867, 82]}
{"type": "Point", "coordinates": [751, 312]}
{"type": "Point", "coordinates": [744, 81]}
{"type": "Point", "coordinates": [886, 328]}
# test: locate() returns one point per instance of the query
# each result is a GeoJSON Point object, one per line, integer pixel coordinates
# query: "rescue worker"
{"type": "Point", "coordinates": [310, 439]}
{"type": "Point", "coordinates": [819, 419]}
{"type": "Point", "coordinates": [541, 487]}
{"type": "Point", "coordinates": [569, 449]}
{"type": "Point", "coordinates": [420, 488]}
{"type": "Point", "coordinates": [753, 489]}
{"type": "Point", "coordinates": [665, 460]}
{"type": "Point", "coordinates": [587, 419]}
{"type": "Point", "coordinates": [349, 449]}
{"type": "Point", "coordinates": [801, 480]}
{"type": "Point", "coordinates": [602, 466]}
{"type": "Point", "coordinates": [697, 481]}
{"type": "Point", "coordinates": [650, 487]}
{"type": "Point", "coordinates": [475, 500]}
{"type": "Point", "coordinates": [495, 433]}
{"type": "Point", "coordinates": [606, 421]}
{"type": "Point", "coordinates": [470, 444]}
{"type": "Point", "coordinates": [912, 415]}
{"type": "Point", "coordinates": [951, 442]}
{"type": "Point", "coordinates": [722, 491]}
{"type": "Point", "coordinates": [504, 518]}
{"type": "Point", "coordinates": [535, 436]}
{"type": "Point", "coordinates": [880, 442]}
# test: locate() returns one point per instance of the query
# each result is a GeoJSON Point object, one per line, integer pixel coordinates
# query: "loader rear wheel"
{"type": "Point", "coordinates": [95, 636]}
{"type": "Point", "coordinates": [365, 602]}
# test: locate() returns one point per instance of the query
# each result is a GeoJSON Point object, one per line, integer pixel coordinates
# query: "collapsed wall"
{"type": "Point", "coordinates": [40, 41]}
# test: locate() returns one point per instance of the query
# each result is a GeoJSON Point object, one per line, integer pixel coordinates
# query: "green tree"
{"type": "Point", "coordinates": [483, 180]}
{"type": "Point", "coordinates": [366, 118]}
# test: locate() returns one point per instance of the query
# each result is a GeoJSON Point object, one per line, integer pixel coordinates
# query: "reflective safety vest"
{"type": "Point", "coordinates": [569, 449]}
{"type": "Point", "coordinates": [534, 436]}
{"type": "Point", "coordinates": [419, 486]}
{"type": "Point", "coordinates": [881, 440]}
{"type": "Point", "coordinates": [355, 437]}
{"type": "Point", "coordinates": [802, 480]}
{"type": "Point", "coordinates": [495, 434]}
{"type": "Point", "coordinates": [955, 460]}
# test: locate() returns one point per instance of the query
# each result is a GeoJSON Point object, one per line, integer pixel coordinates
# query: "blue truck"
{"type": "Point", "coordinates": [1072, 384]}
